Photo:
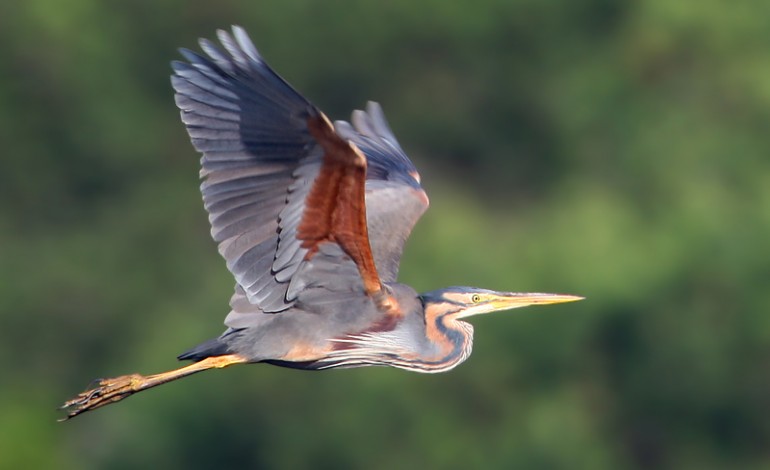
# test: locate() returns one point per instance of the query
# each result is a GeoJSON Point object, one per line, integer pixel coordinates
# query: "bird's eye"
{"type": "Point", "coordinates": [475, 298]}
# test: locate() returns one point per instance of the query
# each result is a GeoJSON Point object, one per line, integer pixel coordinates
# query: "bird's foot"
{"type": "Point", "coordinates": [106, 391]}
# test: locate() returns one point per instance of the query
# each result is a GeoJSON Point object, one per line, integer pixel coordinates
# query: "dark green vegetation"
{"type": "Point", "coordinates": [617, 150]}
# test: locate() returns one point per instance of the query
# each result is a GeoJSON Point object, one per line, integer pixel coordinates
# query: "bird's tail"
{"type": "Point", "coordinates": [212, 347]}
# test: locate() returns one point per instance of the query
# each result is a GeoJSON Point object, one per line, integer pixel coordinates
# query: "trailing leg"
{"type": "Point", "coordinates": [115, 389]}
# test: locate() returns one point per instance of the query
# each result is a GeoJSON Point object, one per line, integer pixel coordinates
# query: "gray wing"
{"type": "Point", "coordinates": [258, 160]}
{"type": "Point", "coordinates": [277, 181]}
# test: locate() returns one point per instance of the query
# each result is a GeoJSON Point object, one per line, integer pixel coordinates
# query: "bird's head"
{"type": "Point", "coordinates": [462, 302]}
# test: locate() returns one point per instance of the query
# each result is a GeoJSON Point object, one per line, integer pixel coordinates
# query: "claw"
{"type": "Point", "coordinates": [105, 392]}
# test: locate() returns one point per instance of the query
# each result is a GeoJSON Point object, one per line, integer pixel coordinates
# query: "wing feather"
{"type": "Point", "coordinates": [293, 202]}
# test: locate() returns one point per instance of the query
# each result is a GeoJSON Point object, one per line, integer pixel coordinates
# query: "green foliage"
{"type": "Point", "coordinates": [616, 150]}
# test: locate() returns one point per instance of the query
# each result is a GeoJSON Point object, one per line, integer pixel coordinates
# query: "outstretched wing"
{"type": "Point", "coordinates": [286, 194]}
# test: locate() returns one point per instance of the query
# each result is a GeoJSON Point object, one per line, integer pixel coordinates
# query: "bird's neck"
{"type": "Point", "coordinates": [451, 339]}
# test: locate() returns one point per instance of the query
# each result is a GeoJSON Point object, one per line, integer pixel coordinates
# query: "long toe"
{"type": "Point", "coordinates": [106, 391]}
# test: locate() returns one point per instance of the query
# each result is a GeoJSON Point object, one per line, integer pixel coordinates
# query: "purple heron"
{"type": "Point", "coordinates": [311, 218]}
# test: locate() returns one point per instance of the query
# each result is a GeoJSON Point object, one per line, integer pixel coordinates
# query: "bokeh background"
{"type": "Point", "coordinates": [618, 150]}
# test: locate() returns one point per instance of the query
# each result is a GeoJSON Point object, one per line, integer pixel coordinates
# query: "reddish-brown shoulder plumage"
{"type": "Point", "coordinates": [335, 208]}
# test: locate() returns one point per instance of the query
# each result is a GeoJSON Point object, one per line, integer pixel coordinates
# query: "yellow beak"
{"type": "Point", "coordinates": [498, 301]}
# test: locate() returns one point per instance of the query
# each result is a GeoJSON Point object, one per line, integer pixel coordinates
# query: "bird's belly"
{"type": "Point", "coordinates": [304, 352]}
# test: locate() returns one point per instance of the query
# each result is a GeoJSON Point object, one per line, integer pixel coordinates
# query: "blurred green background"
{"type": "Point", "coordinates": [617, 150]}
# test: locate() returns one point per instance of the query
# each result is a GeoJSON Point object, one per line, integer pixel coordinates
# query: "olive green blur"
{"type": "Point", "coordinates": [616, 150]}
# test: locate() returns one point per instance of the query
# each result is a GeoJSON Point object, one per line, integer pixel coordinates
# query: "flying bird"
{"type": "Point", "coordinates": [311, 218]}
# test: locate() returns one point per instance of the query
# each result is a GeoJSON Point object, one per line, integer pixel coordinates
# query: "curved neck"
{"type": "Point", "coordinates": [452, 340]}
